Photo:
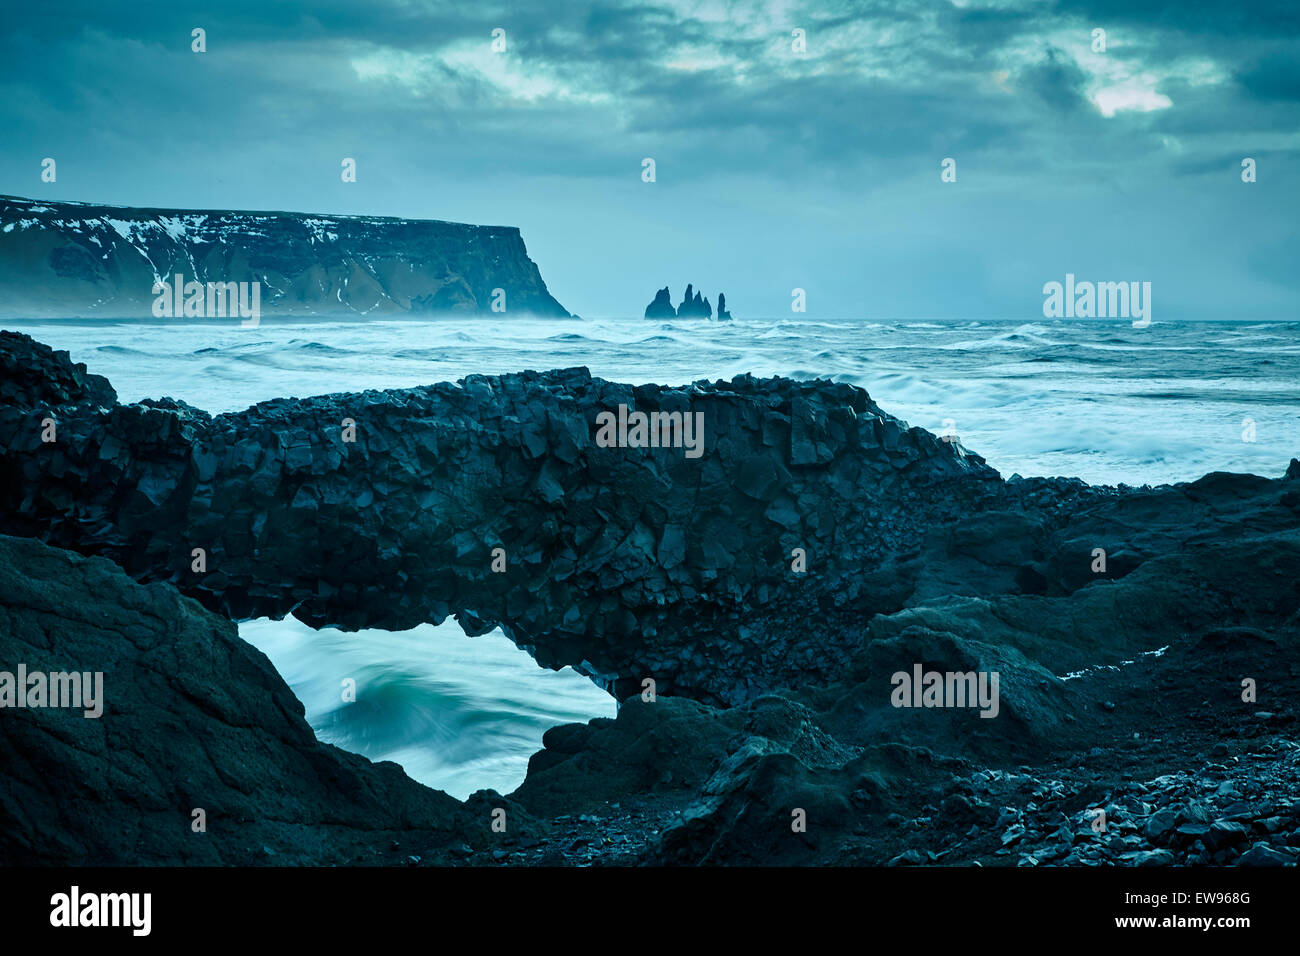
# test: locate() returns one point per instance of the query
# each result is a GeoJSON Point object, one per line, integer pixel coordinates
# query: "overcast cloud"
{"type": "Point", "coordinates": [774, 170]}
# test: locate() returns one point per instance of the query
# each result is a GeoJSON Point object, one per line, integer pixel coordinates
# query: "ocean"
{"type": "Point", "coordinates": [1094, 399]}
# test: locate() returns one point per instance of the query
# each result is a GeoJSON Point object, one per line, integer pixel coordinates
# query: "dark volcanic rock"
{"type": "Point", "coordinates": [671, 745]}
{"type": "Point", "coordinates": [688, 303]}
{"type": "Point", "coordinates": [662, 306]}
{"type": "Point", "coordinates": [193, 718]}
{"type": "Point", "coordinates": [627, 562]}
{"type": "Point", "coordinates": [1123, 624]}
{"type": "Point", "coordinates": [694, 307]}
{"type": "Point", "coordinates": [78, 259]}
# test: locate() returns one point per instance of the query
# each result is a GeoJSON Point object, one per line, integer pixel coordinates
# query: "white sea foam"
{"type": "Point", "coordinates": [1093, 399]}
{"type": "Point", "coordinates": [458, 713]}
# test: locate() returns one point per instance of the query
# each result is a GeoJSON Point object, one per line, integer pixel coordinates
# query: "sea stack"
{"type": "Point", "coordinates": [694, 306]}
{"type": "Point", "coordinates": [662, 306]}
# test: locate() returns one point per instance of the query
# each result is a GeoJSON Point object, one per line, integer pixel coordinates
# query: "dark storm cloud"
{"type": "Point", "coordinates": [1212, 19]}
{"type": "Point", "coordinates": [240, 22]}
{"type": "Point", "coordinates": [1275, 77]}
{"type": "Point", "coordinates": [1058, 82]}
{"type": "Point", "coordinates": [845, 95]}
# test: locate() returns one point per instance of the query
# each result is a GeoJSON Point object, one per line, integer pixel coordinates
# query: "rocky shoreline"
{"type": "Point", "coordinates": [769, 590]}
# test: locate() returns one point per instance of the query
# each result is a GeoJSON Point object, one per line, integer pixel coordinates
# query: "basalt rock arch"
{"type": "Point", "coordinates": [387, 509]}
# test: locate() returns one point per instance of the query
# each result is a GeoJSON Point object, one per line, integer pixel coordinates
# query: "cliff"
{"type": "Point", "coordinates": [66, 259]}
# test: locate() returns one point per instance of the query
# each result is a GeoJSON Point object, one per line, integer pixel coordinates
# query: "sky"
{"type": "Point", "coordinates": [776, 168]}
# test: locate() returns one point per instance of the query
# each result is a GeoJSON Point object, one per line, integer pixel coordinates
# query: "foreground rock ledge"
{"type": "Point", "coordinates": [1121, 690]}
{"type": "Point", "coordinates": [627, 563]}
{"type": "Point", "coordinates": [194, 718]}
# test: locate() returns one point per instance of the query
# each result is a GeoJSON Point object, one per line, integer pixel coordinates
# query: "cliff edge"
{"type": "Point", "coordinates": [69, 259]}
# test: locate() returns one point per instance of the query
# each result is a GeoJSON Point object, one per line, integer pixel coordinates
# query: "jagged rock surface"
{"type": "Point", "coordinates": [193, 718]}
{"type": "Point", "coordinates": [1121, 687]}
{"type": "Point", "coordinates": [626, 562]}
{"type": "Point", "coordinates": [694, 307]}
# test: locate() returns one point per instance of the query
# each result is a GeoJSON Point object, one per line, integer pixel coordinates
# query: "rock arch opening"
{"type": "Point", "coordinates": [458, 713]}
